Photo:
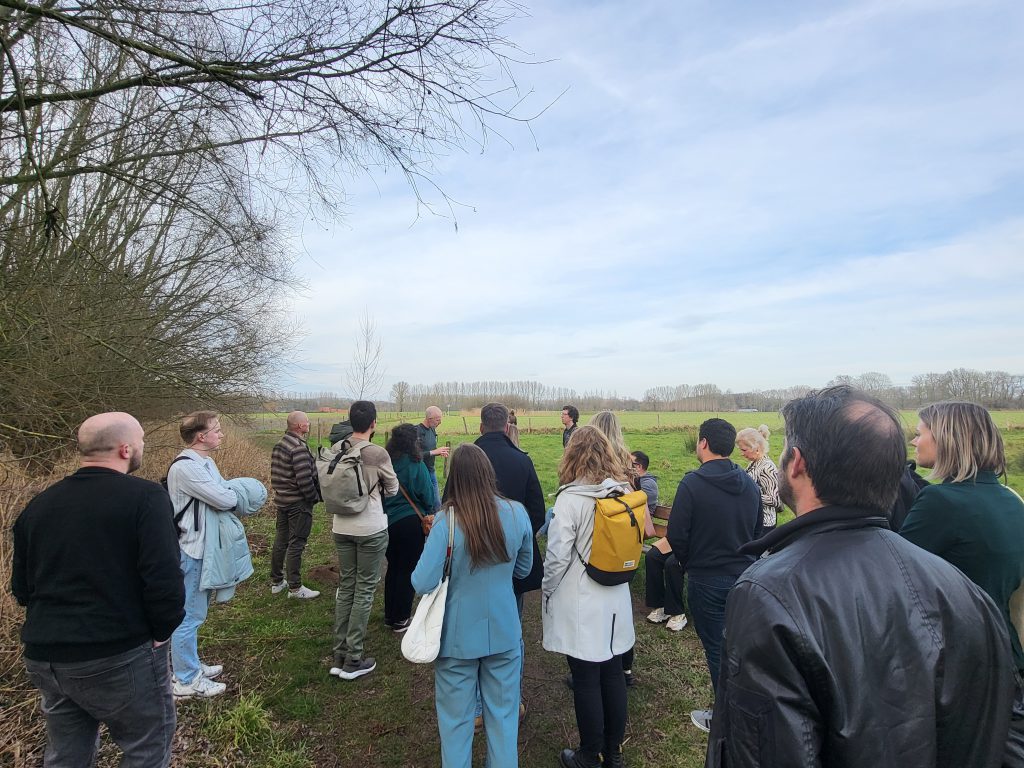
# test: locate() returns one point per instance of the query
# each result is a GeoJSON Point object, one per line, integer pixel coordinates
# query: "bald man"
{"type": "Point", "coordinates": [427, 434]}
{"type": "Point", "coordinates": [296, 491]}
{"type": "Point", "coordinates": [96, 567]}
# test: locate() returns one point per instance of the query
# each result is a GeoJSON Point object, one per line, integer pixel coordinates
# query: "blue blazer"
{"type": "Point", "coordinates": [480, 617]}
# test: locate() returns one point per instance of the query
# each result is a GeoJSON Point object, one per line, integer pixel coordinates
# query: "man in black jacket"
{"type": "Point", "coordinates": [717, 509]}
{"type": "Point", "coordinates": [847, 645]}
{"type": "Point", "coordinates": [517, 480]}
{"type": "Point", "coordinates": [96, 567]}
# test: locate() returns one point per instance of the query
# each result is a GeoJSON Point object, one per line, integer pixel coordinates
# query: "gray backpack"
{"type": "Point", "coordinates": [342, 482]}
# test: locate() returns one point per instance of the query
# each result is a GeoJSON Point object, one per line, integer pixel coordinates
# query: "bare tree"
{"type": "Point", "coordinates": [400, 394]}
{"type": "Point", "coordinates": [366, 371]}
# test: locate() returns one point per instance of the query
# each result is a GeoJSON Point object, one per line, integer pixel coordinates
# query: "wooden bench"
{"type": "Point", "coordinates": [660, 519]}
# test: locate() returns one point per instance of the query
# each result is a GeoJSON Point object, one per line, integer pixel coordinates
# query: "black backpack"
{"type": "Point", "coordinates": [191, 502]}
{"type": "Point", "coordinates": [911, 484]}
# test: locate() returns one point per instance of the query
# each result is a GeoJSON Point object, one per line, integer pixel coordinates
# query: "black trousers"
{"type": "Point", "coordinates": [664, 582]}
{"type": "Point", "coordinates": [599, 693]}
{"type": "Point", "coordinates": [293, 526]}
{"type": "Point", "coordinates": [405, 545]}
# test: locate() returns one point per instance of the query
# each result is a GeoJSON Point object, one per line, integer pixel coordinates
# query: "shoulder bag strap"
{"type": "Point", "coordinates": [451, 544]}
{"type": "Point", "coordinates": [413, 505]}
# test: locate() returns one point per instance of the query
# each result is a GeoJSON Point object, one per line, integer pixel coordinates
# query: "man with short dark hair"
{"type": "Point", "coordinates": [296, 491]}
{"type": "Point", "coordinates": [517, 480]}
{"type": "Point", "coordinates": [848, 645]}
{"type": "Point", "coordinates": [426, 432]}
{"type": "Point", "coordinates": [570, 417]}
{"type": "Point", "coordinates": [717, 509]}
{"type": "Point", "coordinates": [96, 567]}
{"type": "Point", "coordinates": [361, 541]}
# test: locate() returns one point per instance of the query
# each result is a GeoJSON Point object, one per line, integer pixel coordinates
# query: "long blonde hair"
{"type": "Point", "coordinates": [608, 423]}
{"type": "Point", "coordinates": [589, 457]}
{"type": "Point", "coordinates": [472, 489]}
{"type": "Point", "coordinates": [967, 441]}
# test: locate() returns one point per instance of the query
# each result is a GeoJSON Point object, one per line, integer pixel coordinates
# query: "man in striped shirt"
{"type": "Point", "coordinates": [296, 490]}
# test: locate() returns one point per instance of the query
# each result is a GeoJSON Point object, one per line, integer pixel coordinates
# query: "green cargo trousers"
{"type": "Point", "coordinates": [359, 561]}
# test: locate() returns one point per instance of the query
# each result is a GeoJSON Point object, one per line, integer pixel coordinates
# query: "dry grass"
{"type": "Point", "coordinates": [21, 727]}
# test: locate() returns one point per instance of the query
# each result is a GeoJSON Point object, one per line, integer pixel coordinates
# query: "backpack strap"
{"type": "Point", "coordinates": [191, 503]}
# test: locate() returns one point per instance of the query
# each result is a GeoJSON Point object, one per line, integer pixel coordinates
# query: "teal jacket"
{"type": "Point", "coordinates": [978, 527]}
{"type": "Point", "coordinates": [480, 617]}
{"type": "Point", "coordinates": [415, 479]}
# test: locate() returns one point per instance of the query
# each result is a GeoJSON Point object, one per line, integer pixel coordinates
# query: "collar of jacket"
{"type": "Point", "coordinates": [497, 437]}
{"type": "Point", "coordinates": [817, 521]}
{"type": "Point", "coordinates": [983, 476]}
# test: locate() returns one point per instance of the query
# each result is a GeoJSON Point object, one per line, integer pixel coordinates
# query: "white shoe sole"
{"type": "Point", "coordinates": [658, 621]}
{"type": "Point", "coordinates": [352, 675]}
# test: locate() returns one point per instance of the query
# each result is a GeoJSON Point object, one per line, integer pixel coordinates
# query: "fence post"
{"type": "Point", "coordinates": [465, 426]}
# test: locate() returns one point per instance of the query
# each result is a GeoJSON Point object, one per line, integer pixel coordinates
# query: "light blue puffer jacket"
{"type": "Point", "coordinates": [226, 561]}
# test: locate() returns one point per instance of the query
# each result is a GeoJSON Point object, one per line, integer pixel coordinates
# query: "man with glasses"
{"type": "Point", "coordinates": [195, 484]}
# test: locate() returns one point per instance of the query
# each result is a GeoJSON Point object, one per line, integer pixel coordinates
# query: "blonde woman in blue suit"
{"type": "Point", "coordinates": [480, 640]}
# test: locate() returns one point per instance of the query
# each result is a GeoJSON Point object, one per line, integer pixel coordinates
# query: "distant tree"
{"type": "Point", "coordinates": [400, 393]}
{"type": "Point", "coordinates": [366, 371]}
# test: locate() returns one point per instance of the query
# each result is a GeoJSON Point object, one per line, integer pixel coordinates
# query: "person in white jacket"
{"type": "Point", "coordinates": [590, 623]}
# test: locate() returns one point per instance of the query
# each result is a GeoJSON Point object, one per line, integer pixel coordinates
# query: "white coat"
{"type": "Point", "coordinates": [582, 618]}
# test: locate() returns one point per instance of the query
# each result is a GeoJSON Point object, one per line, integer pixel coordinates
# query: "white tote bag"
{"type": "Point", "coordinates": [422, 640]}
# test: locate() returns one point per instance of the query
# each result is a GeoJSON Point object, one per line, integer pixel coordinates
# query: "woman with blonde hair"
{"type": "Point", "coordinates": [480, 638]}
{"type": "Point", "coordinates": [753, 444]}
{"type": "Point", "coordinates": [590, 623]}
{"type": "Point", "coordinates": [972, 520]}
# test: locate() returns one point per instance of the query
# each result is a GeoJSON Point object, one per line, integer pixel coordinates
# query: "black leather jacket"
{"type": "Point", "coordinates": [849, 646]}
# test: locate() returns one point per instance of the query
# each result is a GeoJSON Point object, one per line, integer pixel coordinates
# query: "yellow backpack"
{"type": "Point", "coordinates": [618, 538]}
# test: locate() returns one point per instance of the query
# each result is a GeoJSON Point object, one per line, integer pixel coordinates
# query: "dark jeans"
{"type": "Point", "coordinates": [405, 545]}
{"type": "Point", "coordinates": [706, 596]}
{"type": "Point", "coordinates": [664, 582]}
{"type": "Point", "coordinates": [130, 692]}
{"type": "Point", "coordinates": [293, 526]}
{"type": "Point", "coordinates": [599, 693]}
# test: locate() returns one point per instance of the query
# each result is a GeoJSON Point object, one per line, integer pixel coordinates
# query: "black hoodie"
{"type": "Point", "coordinates": [716, 511]}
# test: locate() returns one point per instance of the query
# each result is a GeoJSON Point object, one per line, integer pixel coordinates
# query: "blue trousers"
{"type": "Point", "coordinates": [130, 692]}
{"type": "Point", "coordinates": [185, 640]}
{"type": "Point", "coordinates": [437, 490]}
{"type": "Point", "coordinates": [706, 596]}
{"type": "Point", "coordinates": [455, 684]}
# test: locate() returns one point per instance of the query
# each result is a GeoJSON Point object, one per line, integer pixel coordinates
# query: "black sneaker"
{"type": "Point", "coordinates": [630, 679]}
{"type": "Point", "coordinates": [400, 626]}
{"type": "Point", "coordinates": [353, 669]}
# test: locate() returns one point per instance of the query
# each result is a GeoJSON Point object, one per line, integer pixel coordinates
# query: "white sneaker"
{"type": "Point", "coordinates": [210, 671]}
{"type": "Point", "coordinates": [702, 719]}
{"type": "Point", "coordinates": [202, 687]}
{"type": "Point", "coordinates": [657, 616]}
{"type": "Point", "coordinates": [281, 586]}
{"type": "Point", "coordinates": [676, 623]}
{"type": "Point", "coordinates": [303, 593]}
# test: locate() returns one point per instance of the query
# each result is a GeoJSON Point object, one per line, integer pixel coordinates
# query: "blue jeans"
{"type": "Point", "coordinates": [185, 640]}
{"type": "Point", "coordinates": [437, 489]}
{"type": "Point", "coordinates": [455, 681]}
{"type": "Point", "coordinates": [706, 596]}
{"type": "Point", "coordinates": [130, 692]}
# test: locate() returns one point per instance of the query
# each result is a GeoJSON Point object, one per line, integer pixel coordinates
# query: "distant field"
{"type": "Point", "coordinates": [656, 434]}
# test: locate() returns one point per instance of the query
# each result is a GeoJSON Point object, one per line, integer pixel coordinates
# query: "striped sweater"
{"type": "Point", "coordinates": [293, 472]}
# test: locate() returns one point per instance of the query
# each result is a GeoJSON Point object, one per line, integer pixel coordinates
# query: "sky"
{"type": "Point", "coordinates": [751, 194]}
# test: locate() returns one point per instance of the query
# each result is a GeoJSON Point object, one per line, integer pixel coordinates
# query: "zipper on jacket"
{"type": "Point", "coordinates": [611, 640]}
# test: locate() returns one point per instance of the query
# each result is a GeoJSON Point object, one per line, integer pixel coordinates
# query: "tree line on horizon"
{"type": "Point", "coordinates": [992, 389]}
